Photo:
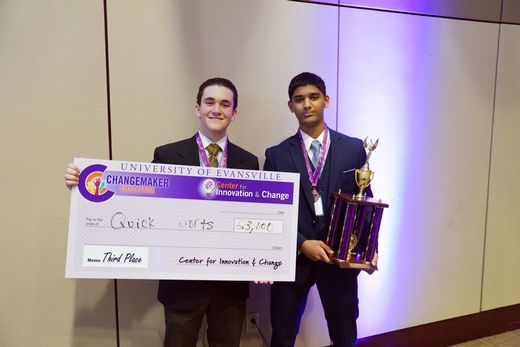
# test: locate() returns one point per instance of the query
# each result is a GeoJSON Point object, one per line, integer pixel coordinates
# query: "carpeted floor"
{"type": "Point", "coordinates": [509, 339]}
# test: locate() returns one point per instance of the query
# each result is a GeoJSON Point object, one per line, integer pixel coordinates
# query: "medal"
{"type": "Point", "coordinates": [315, 194]}
{"type": "Point", "coordinates": [314, 176]}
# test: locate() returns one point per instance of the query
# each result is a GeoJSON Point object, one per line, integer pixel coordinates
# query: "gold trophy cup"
{"type": "Point", "coordinates": [364, 175]}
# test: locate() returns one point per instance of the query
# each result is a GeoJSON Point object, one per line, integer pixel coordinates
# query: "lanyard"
{"type": "Point", "coordinates": [314, 176]}
{"type": "Point", "coordinates": [204, 156]}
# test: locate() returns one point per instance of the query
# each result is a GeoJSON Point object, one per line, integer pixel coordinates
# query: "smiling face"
{"type": "Point", "coordinates": [216, 111]}
{"type": "Point", "coordinates": [308, 103]}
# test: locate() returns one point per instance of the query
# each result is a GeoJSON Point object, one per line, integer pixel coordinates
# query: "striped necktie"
{"type": "Point", "coordinates": [315, 152]}
{"type": "Point", "coordinates": [213, 150]}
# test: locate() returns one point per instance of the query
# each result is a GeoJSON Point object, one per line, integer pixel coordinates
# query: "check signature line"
{"type": "Point", "coordinates": [195, 247]}
{"type": "Point", "coordinates": [245, 266]}
{"type": "Point", "coordinates": [257, 213]}
{"type": "Point", "coordinates": [172, 229]}
{"type": "Point", "coordinates": [224, 248]}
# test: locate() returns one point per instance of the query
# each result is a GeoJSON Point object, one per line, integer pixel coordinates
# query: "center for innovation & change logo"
{"type": "Point", "coordinates": [207, 188]}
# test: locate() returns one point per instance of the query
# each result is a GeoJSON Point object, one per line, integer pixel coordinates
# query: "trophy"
{"type": "Point", "coordinates": [355, 221]}
{"type": "Point", "coordinates": [364, 176]}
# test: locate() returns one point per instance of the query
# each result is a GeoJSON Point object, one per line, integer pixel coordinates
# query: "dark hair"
{"type": "Point", "coordinates": [218, 81]}
{"type": "Point", "coordinates": [305, 79]}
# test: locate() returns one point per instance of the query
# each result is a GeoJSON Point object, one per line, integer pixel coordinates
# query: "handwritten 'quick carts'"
{"type": "Point", "coordinates": [155, 221]}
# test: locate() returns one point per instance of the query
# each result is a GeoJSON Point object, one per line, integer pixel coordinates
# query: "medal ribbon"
{"type": "Point", "coordinates": [314, 176]}
{"type": "Point", "coordinates": [204, 156]}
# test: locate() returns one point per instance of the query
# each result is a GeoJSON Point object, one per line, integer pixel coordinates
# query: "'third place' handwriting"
{"type": "Point", "coordinates": [118, 258]}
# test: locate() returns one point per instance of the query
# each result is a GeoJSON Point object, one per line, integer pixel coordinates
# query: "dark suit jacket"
{"type": "Point", "coordinates": [186, 152]}
{"type": "Point", "coordinates": [345, 153]}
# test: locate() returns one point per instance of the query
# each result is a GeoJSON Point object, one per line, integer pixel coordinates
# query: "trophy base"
{"type": "Point", "coordinates": [356, 265]}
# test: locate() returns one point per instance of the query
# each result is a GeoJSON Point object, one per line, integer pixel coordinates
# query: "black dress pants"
{"type": "Point", "coordinates": [338, 293]}
{"type": "Point", "coordinates": [224, 314]}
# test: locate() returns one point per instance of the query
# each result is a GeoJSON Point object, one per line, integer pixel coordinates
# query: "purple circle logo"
{"type": "Point", "coordinates": [208, 188]}
{"type": "Point", "coordinates": [92, 185]}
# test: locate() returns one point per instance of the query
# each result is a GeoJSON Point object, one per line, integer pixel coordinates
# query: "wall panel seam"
{"type": "Point", "coordinates": [109, 121]}
{"type": "Point", "coordinates": [486, 220]}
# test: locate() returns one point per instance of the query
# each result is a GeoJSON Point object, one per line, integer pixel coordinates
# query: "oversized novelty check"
{"type": "Point", "coordinates": [158, 221]}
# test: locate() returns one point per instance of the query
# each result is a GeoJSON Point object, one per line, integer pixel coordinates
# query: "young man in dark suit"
{"type": "Point", "coordinates": [325, 160]}
{"type": "Point", "coordinates": [186, 302]}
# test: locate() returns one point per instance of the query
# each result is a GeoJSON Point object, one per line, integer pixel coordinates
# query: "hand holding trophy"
{"type": "Point", "coordinates": [355, 221]}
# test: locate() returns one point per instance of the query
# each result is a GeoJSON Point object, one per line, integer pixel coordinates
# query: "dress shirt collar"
{"type": "Point", "coordinates": [205, 142]}
{"type": "Point", "coordinates": [307, 140]}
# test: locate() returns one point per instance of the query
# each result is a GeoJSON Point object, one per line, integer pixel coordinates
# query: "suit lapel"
{"type": "Point", "coordinates": [233, 160]}
{"type": "Point", "coordinates": [298, 159]}
{"type": "Point", "coordinates": [189, 154]}
{"type": "Point", "coordinates": [336, 159]}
